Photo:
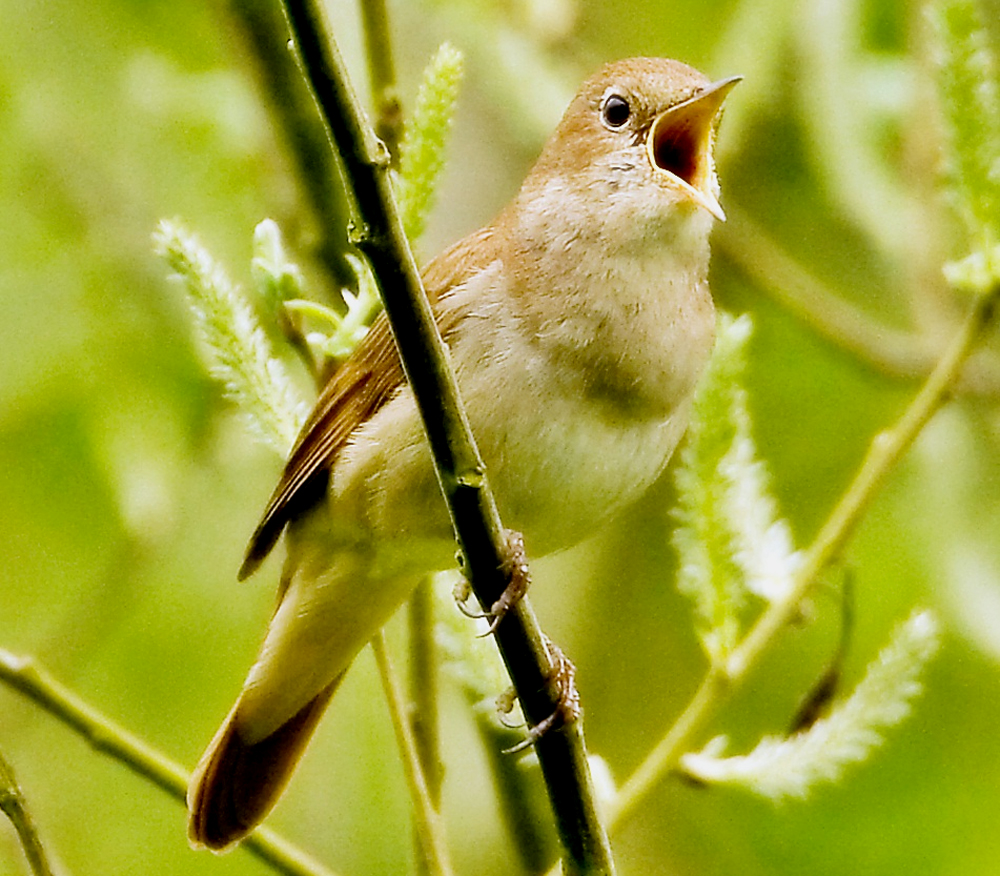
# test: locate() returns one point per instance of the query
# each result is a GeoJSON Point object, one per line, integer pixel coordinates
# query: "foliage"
{"type": "Point", "coordinates": [241, 358]}
{"type": "Point", "coordinates": [343, 330]}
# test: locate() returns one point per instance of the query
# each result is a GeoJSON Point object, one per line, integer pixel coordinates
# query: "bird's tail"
{"type": "Point", "coordinates": [329, 606]}
{"type": "Point", "coordinates": [237, 783]}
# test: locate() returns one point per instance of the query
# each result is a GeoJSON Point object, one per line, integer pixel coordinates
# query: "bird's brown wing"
{"type": "Point", "coordinates": [359, 388]}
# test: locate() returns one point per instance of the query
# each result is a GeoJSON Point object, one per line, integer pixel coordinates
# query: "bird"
{"type": "Point", "coordinates": [578, 323]}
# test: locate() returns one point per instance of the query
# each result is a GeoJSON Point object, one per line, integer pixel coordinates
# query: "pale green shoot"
{"type": "Point", "coordinates": [239, 354]}
{"type": "Point", "coordinates": [344, 331]}
{"type": "Point", "coordinates": [423, 146]}
{"type": "Point", "coordinates": [791, 767]}
{"type": "Point", "coordinates": [728, 539]}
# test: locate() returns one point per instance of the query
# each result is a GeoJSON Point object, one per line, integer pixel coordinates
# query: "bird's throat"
{"type": "Point", "coordinates": [632, 318]}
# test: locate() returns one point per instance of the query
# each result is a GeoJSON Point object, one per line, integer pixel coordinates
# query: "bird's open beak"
{"type": "Point", "coordinates": [680, 144]}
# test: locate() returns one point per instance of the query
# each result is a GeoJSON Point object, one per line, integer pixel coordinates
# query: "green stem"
{"type": "Point", "coordinates": [424, 686]}
{"type": "Point", "coordinates": [382, 74]}
{"type": "Point", "coordinates": [892, 351]}
{"type": "Point", "coordinates": [898, 354]}
{"type": "Point", "coordinates": [15, 807]}
{"type": "Point", "coordinates": [886, 449]}
{"type": "Point", "coordinates": [107, 737]}
{"type": "Point", "coordinates": [380, 236]}
{"type": "Point", "coordinates": [429, 826]}
{"type": "Point", "coordinates": [519, 798]}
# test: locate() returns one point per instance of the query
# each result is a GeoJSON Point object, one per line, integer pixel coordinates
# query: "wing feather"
{"type": "Point", "coordinates": [355, 392]}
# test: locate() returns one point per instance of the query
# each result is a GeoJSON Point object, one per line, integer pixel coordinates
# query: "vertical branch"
{"type": "Point", "coordinates": [424, 686]}
{"type": "Point", "coordinates": [382, 73]}
{"type": "Point", "coordinates": [460, 470]}
{"type": "Point", "coordinates": [422, 715]}
{"type": "Point", "coordinates": [423, 704]}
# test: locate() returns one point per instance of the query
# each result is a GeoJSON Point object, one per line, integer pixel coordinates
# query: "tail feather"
{"type": "Point", "coordinates": [236, 784]}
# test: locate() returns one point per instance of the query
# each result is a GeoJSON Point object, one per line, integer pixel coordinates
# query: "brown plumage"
{"type": "Point", "coordinates": [234, 789]}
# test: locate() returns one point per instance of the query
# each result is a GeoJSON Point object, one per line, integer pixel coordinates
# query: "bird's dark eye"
{"type": "Point", "coordinates": [615, 111]}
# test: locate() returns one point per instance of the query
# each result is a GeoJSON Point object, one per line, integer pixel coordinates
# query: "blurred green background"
{"type": "Point", "coordinates": [129, 488]}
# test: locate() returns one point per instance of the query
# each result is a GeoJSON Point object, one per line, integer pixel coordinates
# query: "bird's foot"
{"type": "Point", "coordinates": [567, 708]}
{"type": "Point", "coordinates": [515, 569]}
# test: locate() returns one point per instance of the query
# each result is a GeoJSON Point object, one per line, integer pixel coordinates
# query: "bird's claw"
{"type": "Point", "coordinates": [461, 593]}
{"type": "Point", "coordinates": [515, 569]}
{"type": "Point", "coordinates": [567, 708]}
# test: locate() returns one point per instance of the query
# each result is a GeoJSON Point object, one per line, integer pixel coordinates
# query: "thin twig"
{"type": "Point", "coordinates": [382, 75]}
{"type": "Point", "coordinates": [424, 686]}
{"type": "Point", "coordinates": [892, 351]}
{"type": "Point", "coordinates": [430, 828]}
{"type": "Point", "coordinates": [886, 449]}
{"type": "Point", "coordinates": [422, 713]}
{"type": "Point", "coordinates": [379, 235]}
{"type": "Point", "coordinates": [422, 717]}
{"type": "Point", "coordinates": [15, 807]}
{"type": "Point", "coordinates": [107, 737]}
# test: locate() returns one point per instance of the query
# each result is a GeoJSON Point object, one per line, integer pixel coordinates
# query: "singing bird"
{"type": "Point", "coordinates": [578, 323]}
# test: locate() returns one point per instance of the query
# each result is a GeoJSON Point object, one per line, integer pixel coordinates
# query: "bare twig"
{"type": "Point", "coordinates": [382, 74]}
{"type": "Point", "coordinates": [896, 353]}
{"type": "Point", "coordinates": [430, 828]}
{"type": "Point", "coordinates": [14, 806]}
{"type": "Point", "coordinates": [297, 122]}
{"type": "Point", "coordinates": [107, 737]}
{"type": "Point", "coordinates": [424, 686]}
